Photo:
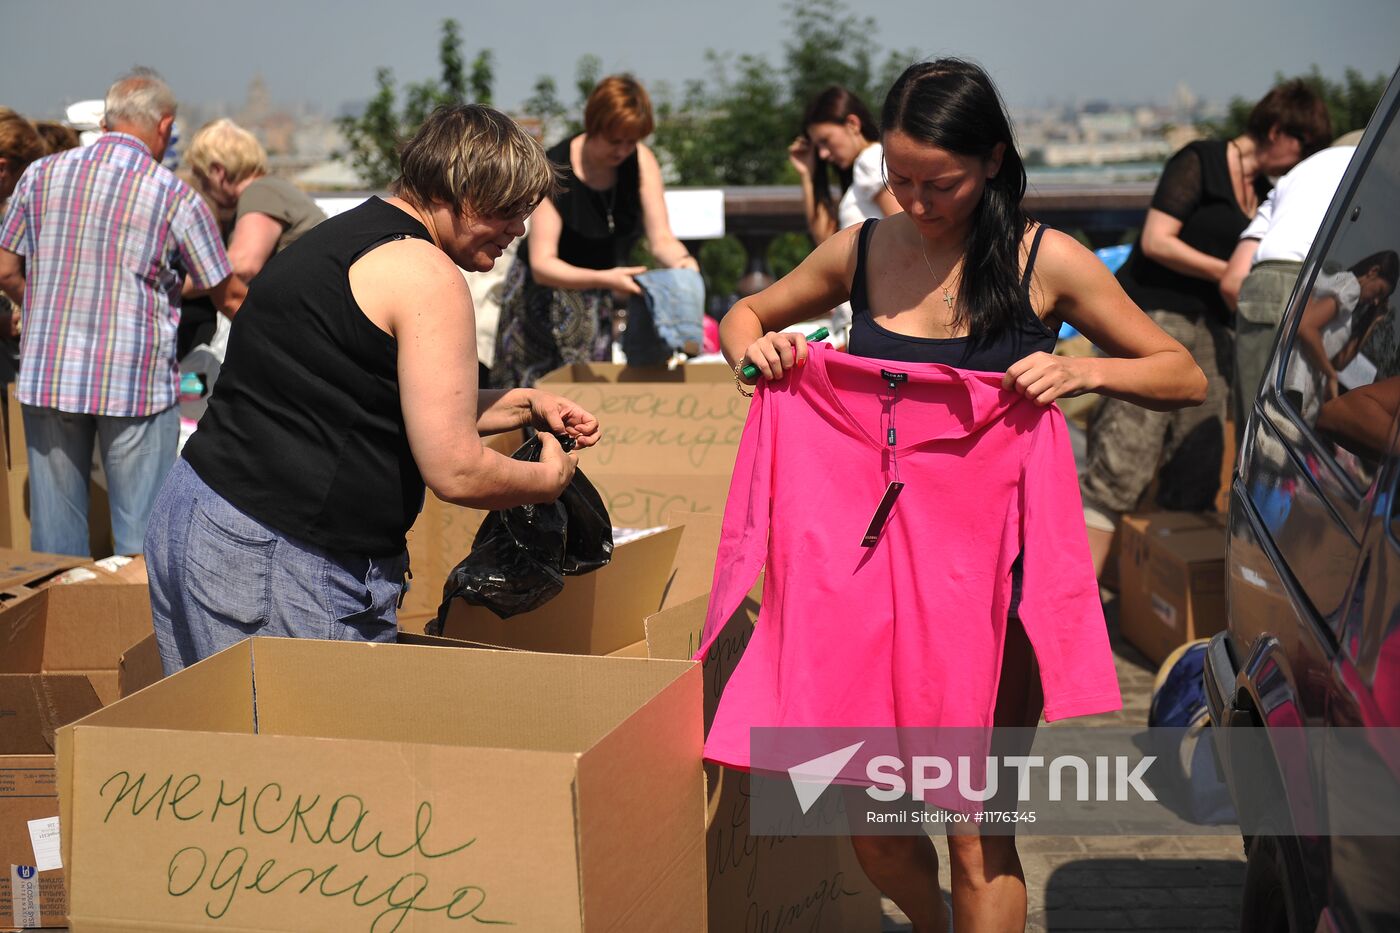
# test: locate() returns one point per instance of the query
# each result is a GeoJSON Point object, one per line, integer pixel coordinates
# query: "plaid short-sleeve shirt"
{"type": "Point", "coordinates": [108, 236]}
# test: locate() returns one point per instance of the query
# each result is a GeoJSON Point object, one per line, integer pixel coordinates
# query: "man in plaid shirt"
{"type": "Point", "coordinates": [96, 246]}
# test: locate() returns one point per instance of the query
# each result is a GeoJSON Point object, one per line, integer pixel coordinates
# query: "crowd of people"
{"type": "Point", "coordinates": [351, 380]}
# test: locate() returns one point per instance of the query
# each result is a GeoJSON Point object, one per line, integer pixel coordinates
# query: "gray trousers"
{"type": "Point", "coordinates": [1263, 299]}
{"type": "Point", "coordinates": [1128, 446]}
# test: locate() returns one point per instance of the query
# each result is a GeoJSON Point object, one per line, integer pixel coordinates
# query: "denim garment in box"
{"type": "Point", "coordinates": [668, 316]}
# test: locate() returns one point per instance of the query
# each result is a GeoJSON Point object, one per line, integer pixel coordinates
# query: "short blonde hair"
{"type": "Point", "coordinates": [475, 159]}
{"type": "Point", "coordinates": [225, 143]}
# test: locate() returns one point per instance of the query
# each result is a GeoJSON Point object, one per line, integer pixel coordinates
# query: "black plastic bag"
{"type": "Point", "coordinates": [521, 554]}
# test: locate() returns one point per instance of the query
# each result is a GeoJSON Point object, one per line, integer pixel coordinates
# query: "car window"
{"type": "Point", "coordinates": [1342, 374]}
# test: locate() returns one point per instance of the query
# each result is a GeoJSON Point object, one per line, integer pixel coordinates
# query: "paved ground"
{"type": "Point", "coordinates": [1097, 883]}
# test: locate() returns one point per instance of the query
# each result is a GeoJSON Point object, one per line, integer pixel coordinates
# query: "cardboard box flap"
{"type": "Point", "coordinates": [596, 613]}
{"type": "Point", "coordinates": [139, 666]}
{"type": "Point", "coordinates": [562, 703]}
{"type": "Point", "coordinates": [623, 822]}
{"type": "Point", "coordinates": [35, 706]}
{"type": "Point", "coordinates": [215, 695]}
{"type": "Point", "coordinates": [693, 572]}
{"type": "Point", "coordinates": [28, 567]}
{"type": "Point", "coordinates": [620, 372]}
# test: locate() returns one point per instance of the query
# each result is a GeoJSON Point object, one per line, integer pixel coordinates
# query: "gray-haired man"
{"type": "Point", "coordinates": [96, 245]}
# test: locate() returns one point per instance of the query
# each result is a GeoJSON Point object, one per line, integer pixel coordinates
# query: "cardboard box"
{"type": "Point", "coordinates": [597, 613]}
{"type": "Point", "coordinates": [554, 793]}
{"type": "Point", "coordinates": [32, 708]}
{"type": "Point", "coordinates": [1172, 576]}
{"type": "Point", "coordinates": [80, 629]}
{"type": "Point", "coordinates": [14, 491]}
{"type": "Point", "coordinates": [669, 437]}
{"type": "Point", "coordinates": [813, 883]}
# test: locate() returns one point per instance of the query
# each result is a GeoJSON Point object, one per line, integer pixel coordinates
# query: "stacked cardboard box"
{"type": "Point", "coordinates": [1172, 580]}
{"type": "Point", "coordinates": [32, 708]}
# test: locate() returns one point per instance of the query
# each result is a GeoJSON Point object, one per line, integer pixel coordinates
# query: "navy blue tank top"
{"type": "Point", "coordinates": [869, 339]}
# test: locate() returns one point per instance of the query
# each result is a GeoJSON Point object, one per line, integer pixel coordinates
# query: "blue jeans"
{"type": "Point", "coordinates": [219, 576]}
{"type": "Point", "coordinates": [136, 454]}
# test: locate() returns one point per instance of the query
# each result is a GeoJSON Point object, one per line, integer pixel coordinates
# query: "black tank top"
{"type": "Point", "coordinates": [996, 355]}
{"type": "Point", "coordinates": [304, 431]}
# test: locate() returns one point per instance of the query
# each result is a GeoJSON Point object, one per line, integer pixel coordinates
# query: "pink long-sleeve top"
{"type": "Point", "coordinates": [910, 631]}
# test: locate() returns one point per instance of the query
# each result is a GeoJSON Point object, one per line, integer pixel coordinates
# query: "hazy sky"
{"type": "Point", "coordinates": [57, 51]}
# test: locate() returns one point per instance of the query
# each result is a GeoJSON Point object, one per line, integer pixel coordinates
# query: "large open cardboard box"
{"type": "Point", "coordinates": [352, 786]}
{"type": "Point", "coordinates": [1171, 573]}
{"type": "Point", "coordinates": [32, 708]}
{"type": "Point", "coordinates": [80, 628]}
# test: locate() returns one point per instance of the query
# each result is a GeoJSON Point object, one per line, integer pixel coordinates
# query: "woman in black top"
{"type": "Point", "coordinates": [963, 278]}
{"type": "Point", "coordinates": [349, 385]}
{"type": "Point", "coordinates": [1207, 195]}
{"type": "Point", "coordinates": [556, 306]}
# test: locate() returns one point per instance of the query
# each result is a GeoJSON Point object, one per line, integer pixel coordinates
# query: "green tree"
{"type": "Point", "coordinates": [543, 102]}
{"type": "Point", "coordinates": [1350, 103]}
{"type": "Point", "coordinates": [483, 77]}
{"type": "Point", "coordinates": [372, 138]}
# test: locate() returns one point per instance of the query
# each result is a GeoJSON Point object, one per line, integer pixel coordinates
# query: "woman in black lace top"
{"type": "Point", "coordinates": [1207, 194]}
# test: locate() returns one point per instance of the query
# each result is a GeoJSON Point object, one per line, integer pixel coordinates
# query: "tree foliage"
{"type": "Point", "coordinates": [372, 138]}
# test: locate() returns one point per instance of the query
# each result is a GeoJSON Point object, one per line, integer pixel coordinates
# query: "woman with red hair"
{"type": "Point", "coordinates": [556, 306]}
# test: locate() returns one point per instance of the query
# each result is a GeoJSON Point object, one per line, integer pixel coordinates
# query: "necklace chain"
{"type": "Point", "coordinates": [1247, 202]}
{"type": "Point", "coordinates": [948, 299]}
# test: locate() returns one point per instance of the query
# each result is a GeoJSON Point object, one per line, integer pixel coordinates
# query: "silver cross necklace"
{"type": "Point", "coordinates": [948, 298]}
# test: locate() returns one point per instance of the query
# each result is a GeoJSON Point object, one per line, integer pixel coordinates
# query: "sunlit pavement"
{"type": "Point", "coordinates": [1156, 883]}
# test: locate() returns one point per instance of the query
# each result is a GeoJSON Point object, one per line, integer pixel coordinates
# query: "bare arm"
{"type": "Point", "coordinates": [1161, 242]}
{"type": "Point", "coordinates": [228, 295]}
{"type": "Point", "coordinates": [886, 202]}
{"type": "Point", "coordinates": [1144, 366]}
{"type": "Point", "coordinates": [549, 270]}
{"type": "Point", "coordinates": [822, 281]}
{"type": "Point", "coordinates": [253, 242]}
{"type": "Point", "coordinates": [1360, 421]}
{"type": "Point", "coordinates": [820, 221]}
{"type": "Point", "coordinates": [1318, 313]}
{"type": "Point", "coordinates": [1241, 260]}
{"type": "Point", "coordinates": [12, 275]}
{"type": "Point", "coordinates": [416, 291]}
{"type": "Point", "coordinates": [660, 238]}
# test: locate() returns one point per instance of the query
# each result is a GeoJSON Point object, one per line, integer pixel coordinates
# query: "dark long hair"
{"type": "Point", "coordinates": [952, 104]}
{"type": "Point", "coordinates": [834, 105]}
